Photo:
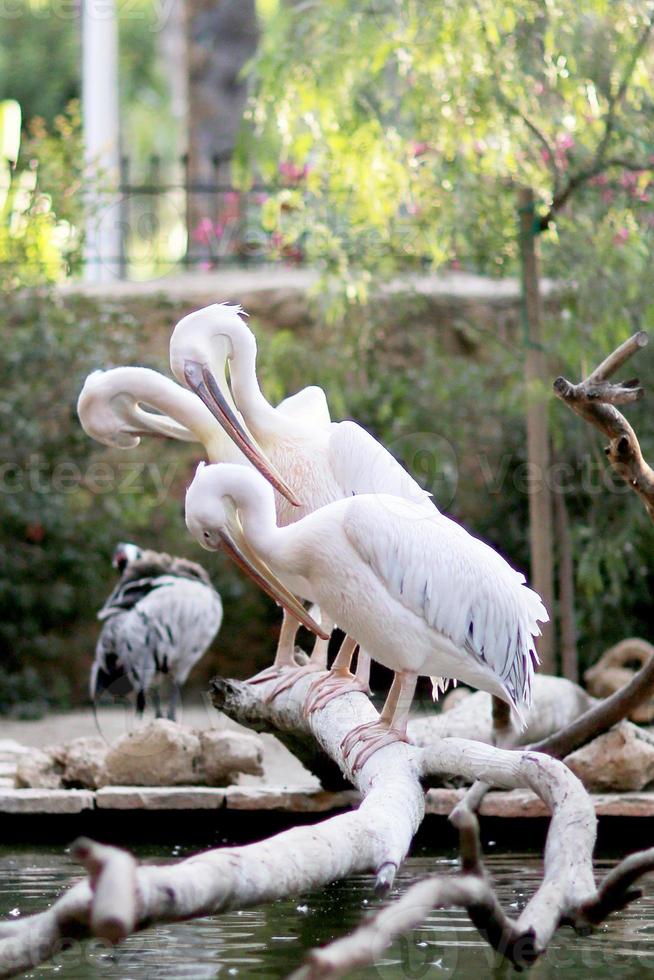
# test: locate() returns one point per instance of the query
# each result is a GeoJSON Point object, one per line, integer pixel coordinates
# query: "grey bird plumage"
{"type": "Point", "coordinates": [159, 620]}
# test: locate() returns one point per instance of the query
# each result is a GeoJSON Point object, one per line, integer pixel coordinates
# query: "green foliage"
{"type": "Point", "coordinates": [41, 208]}
{"type": "Point", "coordinates": [415, 121]}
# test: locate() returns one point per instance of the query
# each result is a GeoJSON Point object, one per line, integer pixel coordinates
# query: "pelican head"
{"type": "Point", "coordinates": [201, 347]}
{"type": "Point", "coordinates": [218, 497]}
{"type": "Point", "coordinates": [110, 407]}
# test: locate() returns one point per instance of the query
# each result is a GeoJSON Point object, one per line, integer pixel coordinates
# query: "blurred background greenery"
{"type": "Point", "coordinates": [392, 137]}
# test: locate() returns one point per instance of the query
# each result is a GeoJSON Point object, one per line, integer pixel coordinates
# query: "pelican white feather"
{"type": "Point", "coordinates": [403, 580]}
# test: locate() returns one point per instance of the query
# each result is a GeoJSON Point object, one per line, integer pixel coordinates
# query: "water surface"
{"type": "Point", "coordinates": [270, 941]}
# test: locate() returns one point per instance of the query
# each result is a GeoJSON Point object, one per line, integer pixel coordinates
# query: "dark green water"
{"type": "Point", "coordinates": [269, 942]}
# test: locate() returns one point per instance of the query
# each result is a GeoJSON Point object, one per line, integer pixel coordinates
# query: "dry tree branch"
{"type": "Point", "coordinates": [374, 838]}
{"type": "Point", "coordinates": [594, 400]}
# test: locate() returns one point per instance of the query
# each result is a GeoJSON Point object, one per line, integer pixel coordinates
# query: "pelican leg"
{"type": "Point", "coordinates": [318, 662]}
{"type": "Point", "coordinates": [284, 654]}
{"type": "Point", "coordinates": [363, 670]}
{"type": "Point", "coordinates": [338, 681]}
{"type": "Point", "coordinates": [391, 726]}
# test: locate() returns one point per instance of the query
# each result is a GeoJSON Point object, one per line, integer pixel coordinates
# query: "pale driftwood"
{"type": "Point", "coordinates": [374, 838]}
{"type": "Point", "coordinates": [594, 399]}
{"type": "Point", "coordinates": [470, 890]}
{"type": "Point", "coordinates": [613, 671]}
{"type": "Point", "coordinates": [112, 876]}
{"type": "Point", "coordinates": [556, 704]}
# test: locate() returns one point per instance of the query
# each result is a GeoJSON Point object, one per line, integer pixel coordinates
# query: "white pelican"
{"type": "Point", "coordinates": [158, 622]}
{"type": "Point", "coordinates": [112, 408]}
{"type": "Point", "coordinates": [404, 581]}
{"type": "Point", "coordinates": [322, 461]}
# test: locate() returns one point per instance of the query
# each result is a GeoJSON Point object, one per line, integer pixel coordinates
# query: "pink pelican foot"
{"type": "Point", "coordinates": [337, 682]}
{"type": "Point", "coordinates": [367, 739]}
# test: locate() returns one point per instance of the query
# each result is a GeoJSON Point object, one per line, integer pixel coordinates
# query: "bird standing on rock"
{"type": "Point", "coordinates": [404, 581]}
{"type": "Point", "coordinates": [158, 622]}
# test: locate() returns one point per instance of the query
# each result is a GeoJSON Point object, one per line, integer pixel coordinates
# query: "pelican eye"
{"type": "Point", "coordinates": [207, 536]}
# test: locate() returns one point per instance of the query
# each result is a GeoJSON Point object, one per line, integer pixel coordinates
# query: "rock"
{"type": "Point", "coordinates": [38, 770]}
{"type": "Point", "coordinates": [83, 762]}
{"type": "Point", "coordinates": [159, 754]}
{"type": "Point", "coordinates": [621, 759]}
{"type": "Point", "coordinates": [227, 753]}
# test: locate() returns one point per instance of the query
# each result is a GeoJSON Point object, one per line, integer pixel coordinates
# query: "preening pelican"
{"type": "Point", "coordinates": [320, 460]}
{"type": "Point", "coordinates": [112, 408]}
{"type": "Point", "coordinates": [158, 622]}
{"type": "Point", "coordinates": [404, 581]}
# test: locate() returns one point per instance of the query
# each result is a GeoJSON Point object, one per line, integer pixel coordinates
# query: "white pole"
{"type": "Point", "coordinates": [101, 121]}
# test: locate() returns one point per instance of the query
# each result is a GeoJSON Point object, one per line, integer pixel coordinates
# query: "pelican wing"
{"type": "Point", "coordinates": [360, 464]}
{"type": "Point", "coordinates": [460, 586]}
{"type": "Point", "coordinates": [309, 405]}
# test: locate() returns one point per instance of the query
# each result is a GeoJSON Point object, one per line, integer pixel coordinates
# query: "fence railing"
{"type": "Point", "coordinates": [166, 219]}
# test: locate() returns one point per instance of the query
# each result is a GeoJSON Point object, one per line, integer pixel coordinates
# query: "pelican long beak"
{"type": "Point", "coordinates": [201, 380]}
{"type": "Point", "coordinates": [259, 572]}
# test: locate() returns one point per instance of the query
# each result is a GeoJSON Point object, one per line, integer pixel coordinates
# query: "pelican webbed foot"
{"type": "Point", "coordinates": [367, 739]}
{"type": "Point", "coordinates": [290, 676]}
{"type": "Point", "coordinates": [337, 682]}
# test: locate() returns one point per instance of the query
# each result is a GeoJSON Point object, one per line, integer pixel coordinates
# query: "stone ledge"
{"type": "Point", "coordinates": [46, 800]}
{"type": "Point", "coordinates": [516, 804]}
{"type": "Point", "coordinates": [283, 798]}
{"type": "Point", "coordinates": [159, 798]}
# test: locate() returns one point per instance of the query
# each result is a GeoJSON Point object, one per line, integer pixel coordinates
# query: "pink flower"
{"type": "Point", "coordinates": [417, 149]}
{"type": "Point", "coordinates": [291, 171]}
{"type": "Point", "coordinates": [601, 180]}
{"type": "Point", "coordinates": [203, 231]}
{"type": "Point", "coordinates": [564, 141]}
{"type": "Point", "coordinates": [607, 196]}
{"type": "Point", "coordinates": [260, 198]}
{"type": "Point", "coordinates": [545, 156]}
{"type": "Point", "coordinates": [412, 208]}
{"type": "Point", "coordinates": [628, 179]}
{"type": "Point", "coordinates": [621, 236]}
{"type": "Point", "coordinates": [539, 88]}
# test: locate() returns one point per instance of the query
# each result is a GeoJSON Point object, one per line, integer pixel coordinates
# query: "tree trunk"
{"type": "Point", "coordinates": [222, 37]}
{"type": "Point", "coordinates": [538, 448]}
{"type": "Point", "coordinates": [568, 628]}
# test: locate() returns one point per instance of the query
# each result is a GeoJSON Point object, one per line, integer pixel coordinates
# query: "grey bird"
{"type": "Point", "coordinates": [158, 622]}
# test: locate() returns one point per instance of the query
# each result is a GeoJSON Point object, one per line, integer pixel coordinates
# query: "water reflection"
{"type": "Point", "coordinates": [269, 942]}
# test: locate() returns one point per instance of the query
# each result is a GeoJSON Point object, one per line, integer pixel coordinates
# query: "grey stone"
{"type": "Point", "coordinates": [83, 761]}
{"type": "Point", "coordinates": [159, 754]}
{"type": "Point", "coordinates": [621, 759]}
{"type": "Point", "coordinates": [38, 770]}
{"type": "Point", "coordinates": [225, 754]}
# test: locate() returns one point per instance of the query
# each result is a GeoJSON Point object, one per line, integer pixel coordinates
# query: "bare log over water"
{"type": "Point", "coordinates": [120, 896]}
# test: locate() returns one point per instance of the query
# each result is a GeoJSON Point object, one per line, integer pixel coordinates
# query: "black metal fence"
{"type": "Point", "coordinates": [168, 220]}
